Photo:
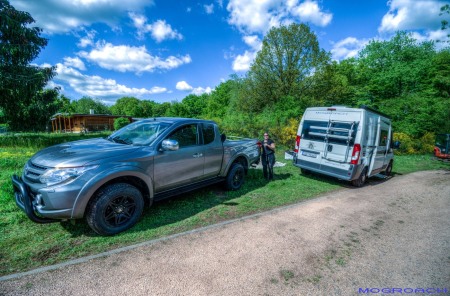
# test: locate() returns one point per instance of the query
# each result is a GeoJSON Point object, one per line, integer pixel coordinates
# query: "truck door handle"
{"type": "Point", "coordinates": [330, 148]}
{"type": "Point", "coordinates": [197, 155]}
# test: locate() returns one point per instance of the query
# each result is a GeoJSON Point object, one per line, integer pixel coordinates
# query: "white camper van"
{"type": "Point", "coordinates": [347, 143]}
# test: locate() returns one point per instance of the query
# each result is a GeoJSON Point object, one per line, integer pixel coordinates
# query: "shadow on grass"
{"type": "Point", "coordinates": [178, 208]}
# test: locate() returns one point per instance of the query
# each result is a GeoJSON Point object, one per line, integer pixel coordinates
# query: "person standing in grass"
{"type": "Point", "coordinates": [268, 156]}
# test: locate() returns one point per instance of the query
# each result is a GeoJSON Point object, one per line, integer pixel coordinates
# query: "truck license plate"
{"type": "Point", "coordinates": [309, 154]}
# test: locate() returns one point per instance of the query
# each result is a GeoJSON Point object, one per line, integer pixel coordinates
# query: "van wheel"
{"type": "Point", "coordinates": [115, 208]}
{"type": "Point", "coordinates": [361, 179]}
{"type": "Point", "coordinates": [388, 170]}
{"type": "Point", "coordinates": [235, 177]}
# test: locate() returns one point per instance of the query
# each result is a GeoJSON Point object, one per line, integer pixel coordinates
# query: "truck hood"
{"type": "Point", "coordinates": [80, 153]}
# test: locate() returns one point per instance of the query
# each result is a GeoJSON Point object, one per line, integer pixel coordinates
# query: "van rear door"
{"type": "Point", "coordinates": [339, 141]}
{"type": "Point", "coordinates": [328, 136]}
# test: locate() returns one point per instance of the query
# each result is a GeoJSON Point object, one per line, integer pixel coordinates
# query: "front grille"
{"type": "Point", "coordinates": [33, 171]}
{"type": "Point", "coordinates": [37, 167]}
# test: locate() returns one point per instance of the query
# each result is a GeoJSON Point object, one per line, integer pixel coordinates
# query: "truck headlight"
{"type": "Point", "coordinates": [60, 175]}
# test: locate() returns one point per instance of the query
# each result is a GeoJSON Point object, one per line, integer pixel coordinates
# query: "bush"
{"type": "Point", "coordinates": [426, 143]}
{"type": "Point", "coordinates": [288, 133]}
{"type": "Point", "coordinates": [120, 122]}
{"type": "Point", "coordinates": [410, 145]}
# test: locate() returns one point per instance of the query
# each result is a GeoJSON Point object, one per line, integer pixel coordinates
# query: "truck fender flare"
{"type": "Point", "coordinates": [100, 179]}
{"type": "Point", "coordinates": [225, 170]}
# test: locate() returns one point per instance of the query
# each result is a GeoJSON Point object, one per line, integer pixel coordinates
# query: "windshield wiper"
{"type": "Point", "coordinates": [120, 140]}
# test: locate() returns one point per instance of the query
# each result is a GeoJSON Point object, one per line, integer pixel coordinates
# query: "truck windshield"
{"type": "Point", "coordinates": [140, 133]}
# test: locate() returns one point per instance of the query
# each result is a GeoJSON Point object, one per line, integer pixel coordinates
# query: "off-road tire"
{"type": "Point", "coordinates": [361, 179]}
{"type": "Point", "coordinates": [235, 177]}
{"type": "Point", "coordinates": [114, 209]}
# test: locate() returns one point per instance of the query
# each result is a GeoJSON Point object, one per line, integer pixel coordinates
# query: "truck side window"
{"type": "Point", "coordinates": [208, 133]}
{"type": "Point", "coordinates": [186, 135]}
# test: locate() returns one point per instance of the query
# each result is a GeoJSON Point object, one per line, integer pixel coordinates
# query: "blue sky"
{"type": "Point", "coordinates": [164, 50]}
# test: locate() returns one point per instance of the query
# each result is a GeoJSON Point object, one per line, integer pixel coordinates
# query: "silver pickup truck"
{"type": "Point", "coordinates": [108, 181]}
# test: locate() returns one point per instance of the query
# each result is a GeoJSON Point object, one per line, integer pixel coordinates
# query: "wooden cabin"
{"type": "Point", "coordinates": [78, 123]}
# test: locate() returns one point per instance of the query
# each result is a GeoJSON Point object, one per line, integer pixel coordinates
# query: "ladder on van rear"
{"type": "Point", "coordinates": [337, 133]}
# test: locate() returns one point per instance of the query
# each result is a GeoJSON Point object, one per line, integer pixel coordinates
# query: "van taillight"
{"type": "Point", "coordinates": [356, 154]}
{"type": "Point", "coordinates": [297, 144]}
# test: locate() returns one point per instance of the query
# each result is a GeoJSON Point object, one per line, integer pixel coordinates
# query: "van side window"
{"type": "Point", "coordinates": [383, 138]}
{"type": "Point", "coordinates": [208, 133]}
{"type": "Point", "coordinates": [185, 135]}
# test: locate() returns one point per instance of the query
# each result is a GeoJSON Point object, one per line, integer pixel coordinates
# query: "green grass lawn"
{"type": "Point", "coordinates": [25, 245]}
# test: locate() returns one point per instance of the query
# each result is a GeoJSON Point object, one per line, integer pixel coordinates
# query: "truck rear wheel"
{"type": "Point", "coordinates": [361, 179]}
{"type": "Point", "coordinates": [235, 177]}
{"type": "Point", "coordinates": [115, 208]}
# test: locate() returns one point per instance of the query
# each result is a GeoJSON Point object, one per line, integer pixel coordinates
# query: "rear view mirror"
{"type": "Point", "coordinates": [223, 137]}
{"type": "Point", "coordinates": [396, 145]}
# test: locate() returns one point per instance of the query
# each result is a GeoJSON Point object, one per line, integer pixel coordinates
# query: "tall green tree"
{"type": "Point", "coordinates": [129, 106]}
{"type": "Point", "coordinates": [394, 68]}
{"type": "Point", "coordinates": [288, 56]}
{"type": "Point", "coordinates": [21, 84]}
{"type": "Point", "coordinates": [86, 104]}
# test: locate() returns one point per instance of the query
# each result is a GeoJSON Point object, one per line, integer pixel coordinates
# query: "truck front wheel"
{"type": "Point", "coordinates": [235, 177]}
{"type": "Point", "coordinates": [115, 208]}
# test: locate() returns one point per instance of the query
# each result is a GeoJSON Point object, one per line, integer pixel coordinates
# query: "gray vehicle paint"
{"type": "Point", "coordinates": [138, 160]}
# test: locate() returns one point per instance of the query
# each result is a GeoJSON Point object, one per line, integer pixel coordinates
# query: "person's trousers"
{"type": "Point", "coordinates": [268, 162]}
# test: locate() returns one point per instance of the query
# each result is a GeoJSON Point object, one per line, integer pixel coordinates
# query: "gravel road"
{"type": "Point", "coordinates": [388, 236]}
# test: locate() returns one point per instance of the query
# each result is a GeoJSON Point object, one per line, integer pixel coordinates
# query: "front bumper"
{"type": "Point", "coordinates": [25, 202]}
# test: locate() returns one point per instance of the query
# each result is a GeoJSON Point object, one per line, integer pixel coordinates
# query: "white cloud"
{"type": "Point", "coordinates": [209, 9]}
{"type": "Point", "coordinates": [433, 35]}
{"type": "Point", "coordinates": [200, 90]}
{"type": "Point", "coordinates": [256, 16]}
{"type": "Point", "coordinates": [243, 62]}
{"type": "Point", "coordinates": [159, 30]}
{"type": "Point", "coordinates": [184, 86]}
{"type": "Point", "coordinates": [253, 41]}
{"type": "Point", "coordinates": [309, 11]}
{"type": "Point", "coordinates": [412, 15]}
{"type": "Point", "coordinates": [64, 16]}
{"type": "Point", "coordinates": [74, 62]}
{"type": "Point", "coordinates": [88, 40]}
{"type": "Point", "coordinates": [125, 58]}
{"type": "Point", "coordinates": [347, 48]}
{"type": "Point", "coordinates": [97, 87]}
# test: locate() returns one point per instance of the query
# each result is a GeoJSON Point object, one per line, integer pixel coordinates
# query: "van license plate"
{"type": "Point", "coordinates": [309, 154]}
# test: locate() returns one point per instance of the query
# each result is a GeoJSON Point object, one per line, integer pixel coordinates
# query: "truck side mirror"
{"type": "Point", "coordinates": [223, 137]}
{"type": "Point", "coordinates": [170, 145]}
{"type": "Point", "coordinates": [396, 145]}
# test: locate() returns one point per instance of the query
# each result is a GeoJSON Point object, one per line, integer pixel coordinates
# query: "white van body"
{"type": "Point", "coordinates": [347, 143]}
